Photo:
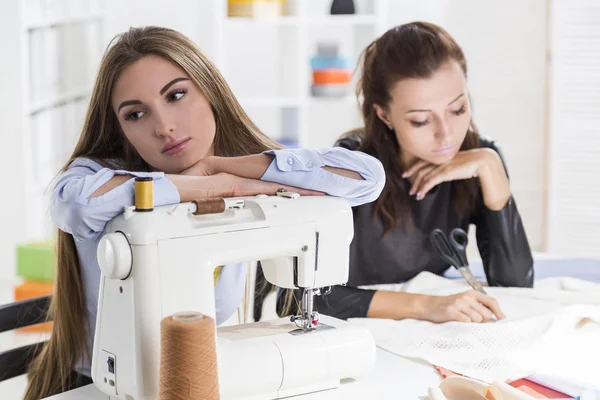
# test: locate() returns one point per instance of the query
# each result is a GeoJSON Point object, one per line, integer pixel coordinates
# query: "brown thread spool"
{"type": "Point", "coordinates": [209, 206]}
{"type": "Point", "coordinates": [144, 194]}
{"type": "Point", "coordinates": [188, 358]}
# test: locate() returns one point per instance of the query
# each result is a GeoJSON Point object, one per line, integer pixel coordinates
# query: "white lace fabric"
{"type": "Point", "coordinates": [552, 329]}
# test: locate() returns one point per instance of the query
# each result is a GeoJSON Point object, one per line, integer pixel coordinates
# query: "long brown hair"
{"type": "Point", "coordinates": [414, 50]}
{"type": "Point", "coordinates": [102, 139]}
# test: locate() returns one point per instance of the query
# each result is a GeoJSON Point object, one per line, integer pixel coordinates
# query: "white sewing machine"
{"type": "Point", "coordinates": [158, 263]}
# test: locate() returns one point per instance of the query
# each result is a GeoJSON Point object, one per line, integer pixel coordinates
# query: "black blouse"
{"type": "Point", "coordinates": [401, 255]}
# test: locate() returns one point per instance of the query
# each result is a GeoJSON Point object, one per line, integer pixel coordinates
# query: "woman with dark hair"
{"type": "Point", "coordinates": [440, 174]}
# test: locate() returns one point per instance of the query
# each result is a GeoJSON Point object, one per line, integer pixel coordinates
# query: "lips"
{"type": "Point", "coordinates": [445, 150]}
{"type": "Point", "coordinates": [175, 146]}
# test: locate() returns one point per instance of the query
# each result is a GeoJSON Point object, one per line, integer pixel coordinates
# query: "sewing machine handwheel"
{"type": "Point", "coordinates": [114, 256]}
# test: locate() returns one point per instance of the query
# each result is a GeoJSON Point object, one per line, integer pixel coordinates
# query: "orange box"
{"type": "Point", "coordinates": [29, 290]}
{"type": "Point", "coordinates": [325, 76]}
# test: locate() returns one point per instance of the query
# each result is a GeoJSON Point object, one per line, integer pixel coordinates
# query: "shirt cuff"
{"type": "Point", "coordinates": [292, 160]}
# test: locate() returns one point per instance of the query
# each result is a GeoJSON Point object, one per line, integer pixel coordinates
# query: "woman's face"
{"type": "Point", "coordinates": [430, 115]}
{"type": "Point", "coordinates": [163, 114]}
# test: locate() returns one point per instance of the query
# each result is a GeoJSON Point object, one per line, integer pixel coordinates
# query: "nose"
{"type": "Point", "coordinates": [165, 125]}
{"type": "Point", "coordinates": [442, 130]}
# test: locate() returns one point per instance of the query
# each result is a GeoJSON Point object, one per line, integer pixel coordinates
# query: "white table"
{"type": "Point", "coordinates": [394, 377]}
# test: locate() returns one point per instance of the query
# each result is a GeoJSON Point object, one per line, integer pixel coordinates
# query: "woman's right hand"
{"type": "Point", "coordinates": [470, 306]}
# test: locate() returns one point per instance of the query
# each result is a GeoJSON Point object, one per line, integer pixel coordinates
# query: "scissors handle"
{"type": "Point", "coordinates": [443, 248]}
{"type": "Point", "coordinates": [459, 240]}
{"type": "Point", "coordinates": [453, 251]}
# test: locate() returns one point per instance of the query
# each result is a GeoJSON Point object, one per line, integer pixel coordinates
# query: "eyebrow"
{"type": "Point", "coordinates": [458, 97]}
{"type": "Point", "coordinates": [162, 91]}
{"type": "Point", "coordinates": [168, 85]}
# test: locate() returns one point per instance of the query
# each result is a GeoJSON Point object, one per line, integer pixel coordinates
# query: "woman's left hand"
{"type": "Point", "coordinates": [465, 165]}
{"type": "Point", "coordinates": [204, 167]}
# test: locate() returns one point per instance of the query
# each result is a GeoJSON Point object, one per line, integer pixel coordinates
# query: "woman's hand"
{"type": "Point", "coordinates": [482, 163]}
{"type": "Point", "coordinates": [204, 167]}
{"type": "Point", "coordinates": [471, 306]}
{"type": "Point", "coordinates": [425, 176]}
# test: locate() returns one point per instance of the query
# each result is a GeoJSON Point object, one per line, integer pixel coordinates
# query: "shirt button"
{"type": "Point", "coordinates": [310, 164]}
{"type": "Point", "coordinates": [290, 160]}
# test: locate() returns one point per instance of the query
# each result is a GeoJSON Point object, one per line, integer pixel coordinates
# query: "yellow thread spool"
{"type": "Point", "coordinates": [144, 194]}
{"type": "Point", "coordinates": [216, 274]}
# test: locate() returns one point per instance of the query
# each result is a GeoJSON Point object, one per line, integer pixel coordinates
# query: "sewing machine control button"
{"type": "Point", "coordinates": [261, 196]}
{"type": "Point", "coordinates": [290, 195]}
{"type": "Point", "coordinates": [114, 256]}
{"type": "Point", "coordinates": [111, 365]}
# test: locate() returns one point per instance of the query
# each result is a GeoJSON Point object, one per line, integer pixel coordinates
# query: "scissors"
{"type": "Point", "coordinates": [453, 250]}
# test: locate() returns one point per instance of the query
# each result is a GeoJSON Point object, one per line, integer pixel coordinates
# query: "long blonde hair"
{"type": "Point", "coordinates": [102, 139]}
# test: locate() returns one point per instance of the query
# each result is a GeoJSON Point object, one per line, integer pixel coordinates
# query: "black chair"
{"type": "Point", "coordinates": [15, 362]}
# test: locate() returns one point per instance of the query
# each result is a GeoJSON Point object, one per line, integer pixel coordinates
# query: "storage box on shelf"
{"type": "Point", "coordinates": [36, 265]}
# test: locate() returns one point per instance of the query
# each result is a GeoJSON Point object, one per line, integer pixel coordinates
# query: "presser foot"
{"type": "Point", "coordinates": [316, 328]}
{"type": "Point", "coordinates": [308, 319]}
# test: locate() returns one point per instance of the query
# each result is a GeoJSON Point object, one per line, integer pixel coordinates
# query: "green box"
{"type": "Point", "coordinates": [37, 261]}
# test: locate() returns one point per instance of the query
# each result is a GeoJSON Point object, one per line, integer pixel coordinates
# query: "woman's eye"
{"type": "Point", "coordinates": [459, 111]}
{"type": "Point", "coordinates": [134, 115]}
{"type": "Point", "coordinates": [418, 124]}
{"type": "Point", "coordinates": [176, 95]}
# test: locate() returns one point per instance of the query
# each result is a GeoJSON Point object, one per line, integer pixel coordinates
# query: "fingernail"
{"type": "Point", "coordinates": [404, 174]}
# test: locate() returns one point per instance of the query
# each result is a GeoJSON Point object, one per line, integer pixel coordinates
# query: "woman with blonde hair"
{"type": "Point", "coordinates": [161, 109]}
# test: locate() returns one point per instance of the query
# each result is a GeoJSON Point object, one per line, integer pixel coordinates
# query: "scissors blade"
{"type": "Point", "coordinates": [468, 275]}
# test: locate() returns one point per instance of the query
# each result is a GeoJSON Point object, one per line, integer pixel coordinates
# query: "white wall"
{"type": "Point", "coordinates": [190, 17]}
{"type": "Point", "coordinates": [12, 209]}
{"type": "Point", "coordinates": [574, 129]}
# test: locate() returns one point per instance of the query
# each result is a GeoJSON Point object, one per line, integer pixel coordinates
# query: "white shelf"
{"type": "Point", "coordinates": [275, 21]}
{"type": "Point", "coordinates": [349, 99]}
{"type": "Point", "coordinates": [272, 102]}
{"type": "Point", "coordinates": [295, 38]}
{"type": "Point", "coordinates": [58, 100]}
{"type": "Point", "coordinates": [356, 19]}
{"type": "Point", "coordinates": [33, 25]}
{"type": "Point", "coordinates": [292, 102]}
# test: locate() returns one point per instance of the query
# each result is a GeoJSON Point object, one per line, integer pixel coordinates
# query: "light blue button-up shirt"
{"type": "Point", "coordinates": [85, 218]}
